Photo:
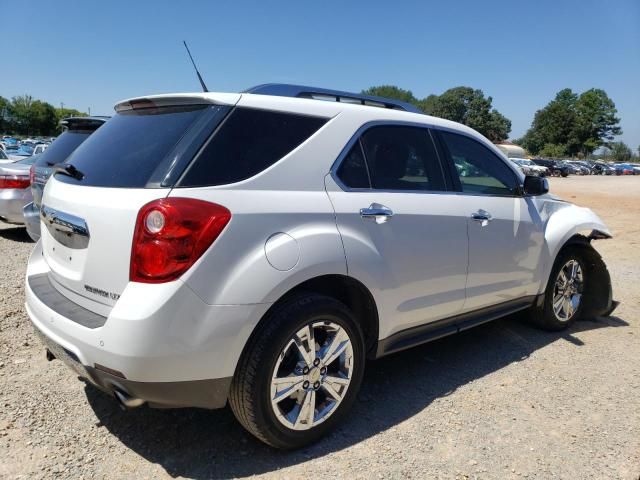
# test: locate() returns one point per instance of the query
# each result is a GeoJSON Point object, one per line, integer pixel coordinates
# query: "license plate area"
{"type": "Point", "coordinates": [67, 357]}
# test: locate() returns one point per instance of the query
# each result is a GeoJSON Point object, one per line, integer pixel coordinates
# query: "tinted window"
{"type": "Point", "coordinates": [479, 169]}
{"type": "Point", "coordinates": [127, 149]}
{"type": "Point", "coordinates": [402, 158]}
{"type": "Point", "coordinates": [248, 142]}
{"type": "Point", "coordinates": [62, 147]}
{"type": "Point", "coordinates": [353, 171]}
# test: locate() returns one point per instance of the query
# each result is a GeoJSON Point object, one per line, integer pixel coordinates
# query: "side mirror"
{"type": "Point", "coordinates": [535, 185]}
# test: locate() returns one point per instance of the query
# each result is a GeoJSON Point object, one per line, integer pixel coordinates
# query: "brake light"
{"type": "Point", "coordinates": [171, 234]}
{"type": "Point", "coordinates": [14, 181]}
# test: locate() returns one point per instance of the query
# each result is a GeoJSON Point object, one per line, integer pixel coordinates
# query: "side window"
{"type": "Point", "coordinates": [353, 171]}
{"type": "Point", "coordinates": [402, 158]}
{"type": "Point", "coordinates": [480, 170]}
{"type": "Point", "coordinates": [248, 142]}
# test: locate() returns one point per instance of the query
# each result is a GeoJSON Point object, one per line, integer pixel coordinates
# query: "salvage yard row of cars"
{"type": "Point", "coordinates": [256, 248]}
{"type": "Point", "coordinates": [563, 168]}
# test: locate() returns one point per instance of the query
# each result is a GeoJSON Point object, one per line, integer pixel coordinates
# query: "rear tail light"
{"type": "Point", "coordinates": [171, 234]}
{"type": "Point", "coordinates": [14, 181]}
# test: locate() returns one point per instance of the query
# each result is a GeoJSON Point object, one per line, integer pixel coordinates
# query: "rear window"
{"type": "Point", "coordinates": [248, 142]}
{"type": "Point", "coordinates": [62, 147]}
{"type": "Point", "coordinates": [127, 150]}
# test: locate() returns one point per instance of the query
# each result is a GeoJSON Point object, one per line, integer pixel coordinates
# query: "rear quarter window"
{"type": "Point", "coordinates": [248, 142]}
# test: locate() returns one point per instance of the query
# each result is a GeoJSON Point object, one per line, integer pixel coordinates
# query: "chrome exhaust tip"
{"type": "Point", "coordinates": [126, 401]}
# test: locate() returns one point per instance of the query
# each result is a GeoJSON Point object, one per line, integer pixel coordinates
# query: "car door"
{"type": "Point", "coordinates": [401, 235]}
{"type": "Point", "coordinates": [505, 231]}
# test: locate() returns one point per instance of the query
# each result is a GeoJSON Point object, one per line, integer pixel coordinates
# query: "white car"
{"type": "Point", "coordinates": [257, 247]}
{"type": "Point", "coordinates": [531, 168]}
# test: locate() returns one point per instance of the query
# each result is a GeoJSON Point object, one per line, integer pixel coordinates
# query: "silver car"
{"type": "Point", "coordinates": [15, 189]}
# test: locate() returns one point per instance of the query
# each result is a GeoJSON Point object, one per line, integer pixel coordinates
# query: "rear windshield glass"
{"type": "Point", "coordinates": [62, 147]}
{"type": "Point", "coordinates": [126, 151]}
{"type": "Point", "coordinates": [248, 142]}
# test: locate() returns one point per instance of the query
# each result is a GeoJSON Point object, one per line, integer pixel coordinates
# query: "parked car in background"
{"type": "Point", "coordinates": [77, 130]}
{"type": "Point", "coordinates": [556, 167]}
{"type": "Point", "coordinates": [531, 167]}
{"type": "Point", "coordinates": [602, 168]}
{"type": "Point", "coordinates": [20, 153]}
{"type": "Point", "coordinates": [581, 168]}
{"type": "Point", "coordinates": [40, 148]}
{"type": "Point", "coordinates": [15, 191]}
{"type": "Point", "coordinates": [258, 247]}
{"type": "Point", "coordinates": [623, 169]}
{"type": "Point", "coordinates": [4, 158]}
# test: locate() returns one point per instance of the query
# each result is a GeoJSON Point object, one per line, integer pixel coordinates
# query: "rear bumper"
{"type": "Point", "coordinates": [31, 215]}
{"type": "Point", "coordinates": [160, 343]}
{"type": "Point", "coordinates": [12, 201]}
{"type": "Point", "coordinates": [197, 393]}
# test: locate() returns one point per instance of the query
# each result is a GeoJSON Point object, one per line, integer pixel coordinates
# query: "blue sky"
{"type": "Point", "coordinates": [92, 54]}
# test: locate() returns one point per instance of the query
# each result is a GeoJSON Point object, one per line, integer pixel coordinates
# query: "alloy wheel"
{"type": "Point", "coordinates": [312, 375]}
{"type": "Point", "coordinates": [567, 291]}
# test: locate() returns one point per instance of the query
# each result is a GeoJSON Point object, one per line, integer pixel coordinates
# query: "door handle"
{"type": "Point", "coordinates": [377, 212]}
{"type": "Point", "coordinates": [482, 216]}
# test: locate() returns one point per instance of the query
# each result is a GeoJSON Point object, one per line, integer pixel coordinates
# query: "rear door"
{"type": "Point", "coordinates": [505, 231]}
{"type": "Point", "coordinates": [87, 222]}
{"type": "Point", "coordinates": [401, 235]}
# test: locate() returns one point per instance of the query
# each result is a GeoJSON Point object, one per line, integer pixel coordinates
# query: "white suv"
{"type": "Point", "coordinates": [258, 247]}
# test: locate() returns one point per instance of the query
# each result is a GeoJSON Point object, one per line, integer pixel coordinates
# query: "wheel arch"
{"type": "Point", "coordinates": [598, 294]}
{"type": "Point", "coordinates": [348, 290]}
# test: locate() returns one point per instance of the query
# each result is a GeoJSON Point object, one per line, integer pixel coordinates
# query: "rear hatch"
{"type": "Point", "coordinates": [88, 216]}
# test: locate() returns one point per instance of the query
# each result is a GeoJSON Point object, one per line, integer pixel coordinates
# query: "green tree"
{"type": "Point", "coordinates": [470, 107]}
{"type": "Point", "coordinates": [581, 124]}
{"type": "Point", "coordinates": [391, 91]}
{"type": "Point", "coordinates": [21, 113]}
{"type": "Point", "coordinates": [621, 152]}
{"type": "Point", "coordinates": [5, 114]}
{"type": "Point", "coordinates": [553, 124]}
{"type": "Point", "coordinates": [43, 119]}
{"type": "Point", "coordinates": [552, 150]}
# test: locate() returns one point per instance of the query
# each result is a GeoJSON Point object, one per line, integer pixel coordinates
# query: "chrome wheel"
{"type": "Point", "coordinates": [312, 375]}
{"type": "Point", "coordinates": [567, 291]}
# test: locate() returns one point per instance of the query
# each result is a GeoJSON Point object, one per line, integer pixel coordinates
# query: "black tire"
{"type": "Point", "coordinates": [542, 314]}
{"type": "Point", "coordinates": [564, 174]}
{"type": "Point", "coordinates": [249, 395]}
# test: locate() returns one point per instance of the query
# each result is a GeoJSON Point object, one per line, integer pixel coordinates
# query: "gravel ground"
{"type": "Point", "coordinates": [500, 401]}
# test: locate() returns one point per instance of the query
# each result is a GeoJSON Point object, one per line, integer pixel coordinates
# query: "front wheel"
{"type": "Point", "coordinates": [300, 373]}
{"type": "Point", "coordinates": [563, 297]}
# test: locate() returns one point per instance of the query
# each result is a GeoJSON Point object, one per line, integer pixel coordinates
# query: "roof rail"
{"type": "Point", "coordinates": [300, 91]}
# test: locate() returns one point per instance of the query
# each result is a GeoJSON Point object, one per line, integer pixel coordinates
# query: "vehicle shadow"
{"type": "Point", "coordinates": [198, 444]}
{"type": "Point", "coordinates": [16, 234]}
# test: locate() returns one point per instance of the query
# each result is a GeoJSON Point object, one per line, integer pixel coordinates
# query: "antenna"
{"type": "Point", "coordinates": [204, 87]}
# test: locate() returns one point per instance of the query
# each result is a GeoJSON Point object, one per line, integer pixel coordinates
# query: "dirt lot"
{"type": "Point", "coordinates": [500, 401]}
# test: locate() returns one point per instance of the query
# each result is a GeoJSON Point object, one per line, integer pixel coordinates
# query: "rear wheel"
{"type": "Point", "coordinates": [563, 298]}
{"type": "Point", "coordinates": [300, 373]}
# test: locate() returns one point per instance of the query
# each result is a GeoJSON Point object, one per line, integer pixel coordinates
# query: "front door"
{"type": "Point", "coordinates": [505, 231]}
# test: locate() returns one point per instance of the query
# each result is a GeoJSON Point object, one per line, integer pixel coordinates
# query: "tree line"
{"type": "Point", "coordinates": [24, 115]}
{"type": "Point", "coordinates": [569, 125]}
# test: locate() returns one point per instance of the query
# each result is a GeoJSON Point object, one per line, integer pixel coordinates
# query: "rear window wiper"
{"type": "Point", "coordinates": [69, 170]}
